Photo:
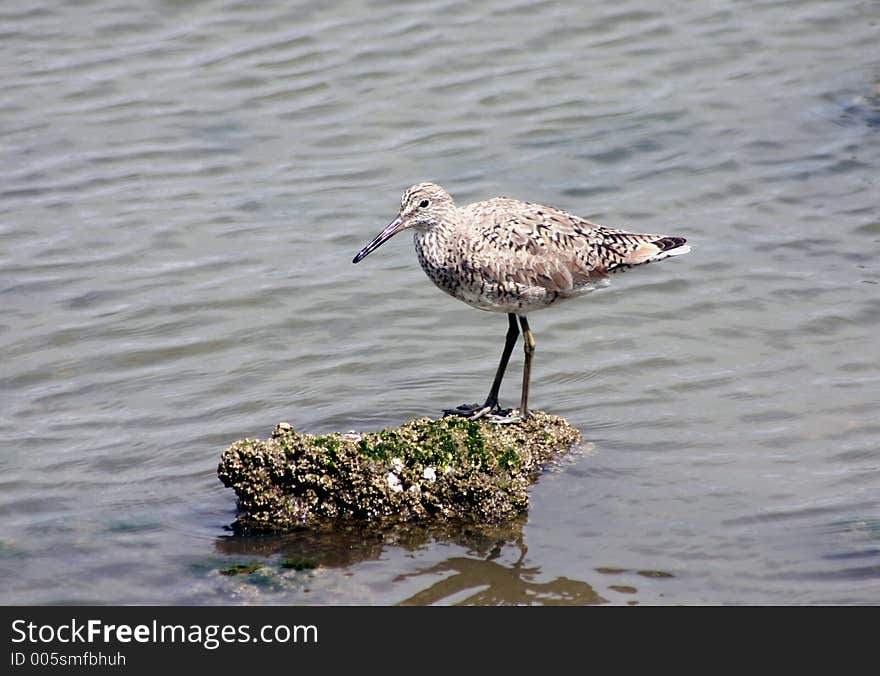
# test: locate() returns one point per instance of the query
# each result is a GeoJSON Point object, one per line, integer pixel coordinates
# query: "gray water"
{"type": "Point", "coordinates": [183, 185]}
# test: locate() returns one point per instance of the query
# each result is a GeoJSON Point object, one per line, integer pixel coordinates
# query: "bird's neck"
{"type": "Point", "coordinates": [437, 233]}
{"type": "Point", "coordinates": [432, 245]}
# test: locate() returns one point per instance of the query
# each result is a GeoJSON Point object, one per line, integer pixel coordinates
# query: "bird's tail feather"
{"type": "Point", "coordinates": [645, 249]}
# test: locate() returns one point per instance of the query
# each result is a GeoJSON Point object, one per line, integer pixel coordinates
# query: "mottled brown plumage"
{"type": "Point", "coordinates": [505, 255]}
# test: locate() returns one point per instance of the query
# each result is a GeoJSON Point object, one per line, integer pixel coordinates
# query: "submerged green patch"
{"type": "Point", "coordinates": [298, 564]}
{"type": "Point", "coordinates": [241, 569]}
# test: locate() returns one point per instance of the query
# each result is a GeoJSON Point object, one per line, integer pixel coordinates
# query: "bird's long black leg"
{"type": "Point", "coordinates": [529, 346]}
{"type": "Point", "coordinates": [509, 342]}
{"type": "Point", "coordinates": [491, 405]}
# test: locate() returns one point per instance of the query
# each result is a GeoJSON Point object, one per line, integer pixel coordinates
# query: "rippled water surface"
{"type": "Point", "coordinates": [183, 185]}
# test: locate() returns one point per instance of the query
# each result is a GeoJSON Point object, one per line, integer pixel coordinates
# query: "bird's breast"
{"type": "Point", "coordinates": [455, 269]}
{"type": "Point", "coordinates": [440, 260]}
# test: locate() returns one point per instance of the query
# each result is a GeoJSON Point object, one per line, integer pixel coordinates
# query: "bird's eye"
{"type": "Point", "coordinates": [424, 203]}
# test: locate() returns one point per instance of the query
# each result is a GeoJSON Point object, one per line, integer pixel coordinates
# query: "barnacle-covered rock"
{"type": "Point", "coordinates": [451, 469]}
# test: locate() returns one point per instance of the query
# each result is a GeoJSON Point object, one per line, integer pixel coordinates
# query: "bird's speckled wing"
{"type": "Point", "coordinates": [536, 245]}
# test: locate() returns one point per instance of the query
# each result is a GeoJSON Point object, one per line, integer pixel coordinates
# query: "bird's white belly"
{"type": "Point", "coordinates": [516, 298]}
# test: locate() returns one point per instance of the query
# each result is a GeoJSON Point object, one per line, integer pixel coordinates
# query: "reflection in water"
{"type": "Point", "coordinates": [477, 578]}
{"type": "Point", "coordinates": [348, 545]}
{"type": "Point", "coordinates": [485, 583]}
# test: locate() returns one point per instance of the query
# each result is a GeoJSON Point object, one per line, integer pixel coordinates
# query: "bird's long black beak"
{"type": "Point", "coordinates": [392, 229]}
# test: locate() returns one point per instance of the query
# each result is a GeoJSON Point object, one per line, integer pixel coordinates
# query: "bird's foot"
{"type": "Point", "coordinates": [505, 417]}
{"type": "Point", "coordinates": [490, 412]}
{"type": "Point", "coordinates": [471, 411]}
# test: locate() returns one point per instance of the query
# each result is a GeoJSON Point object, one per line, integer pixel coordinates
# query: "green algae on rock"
{"type": "Point", "coordinates": [452, 469]}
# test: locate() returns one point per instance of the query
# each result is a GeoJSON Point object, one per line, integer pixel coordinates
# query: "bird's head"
{"type": "Point", "coordinates": [422, 207]}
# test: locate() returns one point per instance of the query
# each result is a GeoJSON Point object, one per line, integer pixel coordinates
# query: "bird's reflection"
{"type": "Point", "coordinates": [488, 583]}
